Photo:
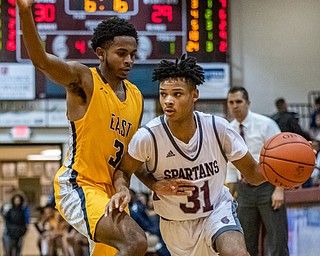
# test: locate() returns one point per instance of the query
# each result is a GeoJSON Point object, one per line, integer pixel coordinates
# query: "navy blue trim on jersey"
{"type": "Point", "coordinates": [74, 144]}
{"type": "Point", "coordinates": [73, 179]}
{"type": "Point", "coordinates": [166, 128]}
{"type": "Point", "coordinates": [101, 76]}
{"type": "Point", "coordinates": [83, 208]}
{"type": "Point", "coordinates": [74, 175]}
{"type": "Point", "coordinates": [155, 150]}
{"type": "Point", "coordinates": [218, 139]}
{"type": "Point", "coordinates": [105, 80]}
{"type": "Point", "coordinates": [72, 154]}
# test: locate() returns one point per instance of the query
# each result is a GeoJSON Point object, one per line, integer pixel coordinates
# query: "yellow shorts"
{"type": "Point", "coordinates": [82, 207]}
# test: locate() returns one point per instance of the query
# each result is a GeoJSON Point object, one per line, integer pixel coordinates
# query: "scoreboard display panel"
{"type": "Point", "coordinates": [166, 28]}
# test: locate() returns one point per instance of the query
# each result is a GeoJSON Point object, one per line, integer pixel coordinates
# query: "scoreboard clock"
{"type": "Point", "coordinates": [166, 28]}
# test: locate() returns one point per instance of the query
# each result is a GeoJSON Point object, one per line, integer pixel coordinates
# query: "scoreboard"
{"type": "Point", "coordinates": [166, 29]}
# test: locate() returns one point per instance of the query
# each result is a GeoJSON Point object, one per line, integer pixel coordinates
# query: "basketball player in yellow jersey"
{"type": "Point", "coordinates": [104, 111]}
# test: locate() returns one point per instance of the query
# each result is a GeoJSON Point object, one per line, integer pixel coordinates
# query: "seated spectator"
{"type": "Point", "coordinates": [39, 213]}
{"type": "Point", "coordinates": [74, 243]}
{"type": "Point", "coordinates": [315, 112]}
{"type": "Point", "coordinates": [288, 121]}
{"type": "Point", "coordinates": [52, 227]}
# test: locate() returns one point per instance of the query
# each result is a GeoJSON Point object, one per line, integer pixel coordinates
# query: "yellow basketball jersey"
{"type": "Point", "coordinates": [99, 139]}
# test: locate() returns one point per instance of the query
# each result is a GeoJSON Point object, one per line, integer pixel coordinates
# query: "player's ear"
{"type": "Point", "coordinates": [100, 53]}
{"type": "Point", "coordinates": [195, 95]}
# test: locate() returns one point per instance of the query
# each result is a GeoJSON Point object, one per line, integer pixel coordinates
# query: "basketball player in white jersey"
{"type": "Point", "coordinates": [198, 216]}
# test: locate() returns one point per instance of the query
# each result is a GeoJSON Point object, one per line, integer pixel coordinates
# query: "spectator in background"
{"type": "Point", "coordinates": [74, 243]}
{"type": "Point", "coordinates": [16, 224]}
{"type": "Point", "coordinates": [288, 121]}
{"type": "Point", "coordinates": [315, 177]}
{"type": "Point", "coordinates": [315, 112]}
{"type": "Point", "coordinates": [150, 224]}
{"type": "Point", "coordinates": [4, 209]}
{"type": "Point", "coordinates": [39, 225]}
{"type": "Point", "coordinates": [315, 131]}
{"type": "Point", "coordinates": [261, 205]}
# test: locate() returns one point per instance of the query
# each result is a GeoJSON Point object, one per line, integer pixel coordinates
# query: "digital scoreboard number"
{"type": "Point", "coordinates": [207, 30]}
{"type": "Point", "coordinates": [166, 28]}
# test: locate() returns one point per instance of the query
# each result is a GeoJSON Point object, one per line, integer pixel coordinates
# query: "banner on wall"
{"type": "Point", "coordinates": [217, 81]}
{"type": "Point", "coordinates": [49, 113]}
{"type": "Point", "coordinates": [17, 81]}
{"type": "Point", "coordinates": [36, 113]}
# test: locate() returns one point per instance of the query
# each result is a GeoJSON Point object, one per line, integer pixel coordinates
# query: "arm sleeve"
{"type": "Point", "coordinates": [141, 145]}
{"type": "Point", "coordinates": [234, 146]}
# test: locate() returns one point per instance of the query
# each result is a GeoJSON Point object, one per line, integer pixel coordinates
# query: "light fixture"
{"type": "Point", "coordinates": [46, 155]}
{"type": "Point", "coordinates": [43, 158]}
{"type": "Point", "coordinates": [51, 152]}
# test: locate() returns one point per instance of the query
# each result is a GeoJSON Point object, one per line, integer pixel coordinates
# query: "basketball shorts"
{"type": "Point", "coordinates": [82, 207]}
{"type": "Point", "coordinates": [197, 237]}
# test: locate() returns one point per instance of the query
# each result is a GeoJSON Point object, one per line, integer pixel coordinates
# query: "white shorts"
{"type": "Point", "coordinates": [197, 237]}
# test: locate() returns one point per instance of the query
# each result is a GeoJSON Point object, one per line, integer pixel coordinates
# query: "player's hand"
{"type": "Point", "coordinates": [118, 201]}
{"type": "Point", "coordinates": [277, 198]}
{"type": "Point", "coordinates": [174, 187]}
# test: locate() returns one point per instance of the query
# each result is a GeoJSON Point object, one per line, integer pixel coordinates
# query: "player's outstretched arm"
{"type": "Point", "coordinates": [55, 68]}
{"type": "Point", "coordinates": [250, 169]}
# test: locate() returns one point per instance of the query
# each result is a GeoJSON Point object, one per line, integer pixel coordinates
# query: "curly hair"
{"type": "Point", "coordinates": [185, 67]}
{"type": "Point", "coordinates": [107, 30]}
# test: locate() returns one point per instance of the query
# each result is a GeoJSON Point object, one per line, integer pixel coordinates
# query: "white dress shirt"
{"type": "Point", "coordinates": [257, 130]}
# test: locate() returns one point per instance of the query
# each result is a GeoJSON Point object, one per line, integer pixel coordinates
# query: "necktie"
{"type": "Point", "coordinates": [241, 131]}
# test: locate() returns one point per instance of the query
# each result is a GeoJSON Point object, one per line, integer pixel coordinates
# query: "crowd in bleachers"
{"type": "Point", "coordinates": [56, 236]}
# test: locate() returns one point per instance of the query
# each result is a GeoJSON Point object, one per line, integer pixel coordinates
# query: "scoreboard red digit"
{"type": "Point", "coordinates": [166, 28]}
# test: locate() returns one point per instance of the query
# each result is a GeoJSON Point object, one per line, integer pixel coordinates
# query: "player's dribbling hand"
{"type": "Point", "coordinates": [174, 187]}
{"type": "Point", "coordinates": [118, 201]}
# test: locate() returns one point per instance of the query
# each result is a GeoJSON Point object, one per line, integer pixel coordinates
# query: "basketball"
{"type": "Point", "coordinates": [287, 160]}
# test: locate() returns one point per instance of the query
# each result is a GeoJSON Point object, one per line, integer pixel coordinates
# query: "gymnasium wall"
{"type": "Point", "coordinates": [274, 48]}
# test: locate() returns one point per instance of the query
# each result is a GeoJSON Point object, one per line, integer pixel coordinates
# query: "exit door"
{"type": "Point", "coordinates": [31, 187]}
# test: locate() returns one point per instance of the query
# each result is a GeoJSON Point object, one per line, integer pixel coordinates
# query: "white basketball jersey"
{"type": "Point", "coordinates": [200, 161]}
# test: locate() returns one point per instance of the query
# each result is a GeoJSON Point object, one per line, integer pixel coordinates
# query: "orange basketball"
{"type": "Point", "coordinates": [287, 160]}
